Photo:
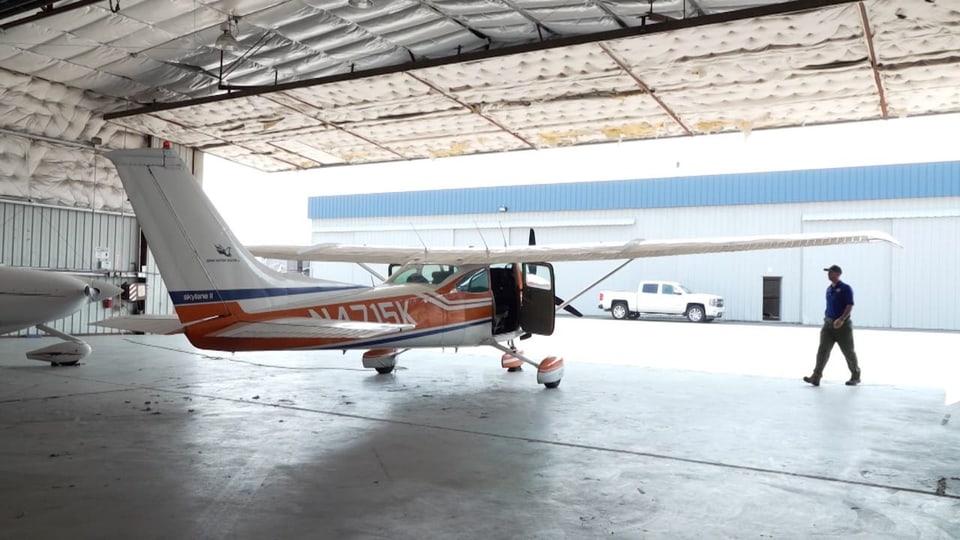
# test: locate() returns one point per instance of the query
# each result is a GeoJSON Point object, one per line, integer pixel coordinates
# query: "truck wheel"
{"type": "Point", "coordinates": [695, 313]}
{"type": "Point", "coordinates": [619, 310]}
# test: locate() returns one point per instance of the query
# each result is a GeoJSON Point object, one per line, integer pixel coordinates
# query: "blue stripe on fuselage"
{"type": "Point", "coordinates": [201, 297]}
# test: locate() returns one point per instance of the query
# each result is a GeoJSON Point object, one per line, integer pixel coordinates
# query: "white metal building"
{"type": "Point", "coordinates": [912, 287]}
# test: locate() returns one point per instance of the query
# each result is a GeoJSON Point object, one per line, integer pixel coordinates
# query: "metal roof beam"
{"type": "Point", "coordinates": [471, 108]}
{"type": "Point", "coordinates": [606, 9]}
{"type": "Point", "coordinates": [667, 26]}
{"type": "Point", "coordinates": [697, 8]}
{"type": "Point", "coordinates": [868, 36]}
{"type": "Point", "coordinates": [333, 125]}
{"type": "Point", "coordinates": [643, 86]}
{"type": "Point", "coordinates": [10, 9]}
{"type": "Point", "coordinates": [44, 12]}
{"type": "Point", "coordinates": [456, 20]}
{"type": "Point", "coordinates": [526, 15]}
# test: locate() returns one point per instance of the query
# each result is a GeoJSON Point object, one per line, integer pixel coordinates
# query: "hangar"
{"type": "Point", "coordinates": [177, 442]}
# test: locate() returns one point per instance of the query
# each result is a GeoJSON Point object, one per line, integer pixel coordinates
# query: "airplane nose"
{"type": "Point", "coordinates": [99, 290]}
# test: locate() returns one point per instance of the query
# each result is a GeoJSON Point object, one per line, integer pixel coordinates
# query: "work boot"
{"type": "Point", "coordinates": [812, 380]}
{"type": "Point", "coordinates": [853, 381]}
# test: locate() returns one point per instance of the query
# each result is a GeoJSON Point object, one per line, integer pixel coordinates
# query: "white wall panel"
{"type": "Point", "coordinates": [925, 289]}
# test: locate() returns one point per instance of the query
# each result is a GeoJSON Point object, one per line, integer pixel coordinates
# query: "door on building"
{"type": "Point", "coordinates": [771, 298]}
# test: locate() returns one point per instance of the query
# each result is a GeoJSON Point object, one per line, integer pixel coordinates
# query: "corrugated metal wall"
{"type": "Point", "coordinates": [158, 299]}
{"type": "Point", "coordinates": [65, 239]}
{"type": "Point", "coordinates": [924, 284]}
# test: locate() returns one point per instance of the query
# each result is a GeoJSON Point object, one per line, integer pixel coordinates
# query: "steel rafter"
{"type": "Point", "coordinates": [868, 36]}
{"type": "Point", "coordinates": [474, 110]}
{"type": "Point", "coordinates": [643, 86]}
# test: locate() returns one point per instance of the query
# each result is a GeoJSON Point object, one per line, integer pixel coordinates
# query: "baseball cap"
{"type": "Point", "coordinates": [834, 268]}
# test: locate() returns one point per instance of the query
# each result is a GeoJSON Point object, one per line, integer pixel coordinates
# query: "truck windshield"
{"type": "Point", "coordinates": [684, 289]}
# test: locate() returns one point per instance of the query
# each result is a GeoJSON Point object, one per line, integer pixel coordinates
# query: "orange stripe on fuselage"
{"type": "Point", "coordinates": [401, 309]}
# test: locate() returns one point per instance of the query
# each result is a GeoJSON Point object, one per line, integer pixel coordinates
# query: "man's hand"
{"type": "Point", "coordinates": [837, 323]}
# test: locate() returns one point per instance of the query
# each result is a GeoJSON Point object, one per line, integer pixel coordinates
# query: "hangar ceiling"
{"type": "Point", "coordinates": [321, 82]}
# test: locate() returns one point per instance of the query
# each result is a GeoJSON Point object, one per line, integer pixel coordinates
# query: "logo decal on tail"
{"type": "Point", "coordinates": [226, 251]}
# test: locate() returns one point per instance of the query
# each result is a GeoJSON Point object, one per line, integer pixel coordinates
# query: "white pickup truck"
{"type": "Point", "coordinates": [662, 298]}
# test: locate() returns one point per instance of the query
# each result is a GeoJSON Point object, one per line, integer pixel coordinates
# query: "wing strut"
{"type": "Point", "coordinates": [375, 274]}
{"type": "Point", "coordinates": [594, 284]}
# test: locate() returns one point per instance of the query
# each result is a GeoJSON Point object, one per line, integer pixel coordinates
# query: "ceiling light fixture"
{"type": "Point", "coordinates": [361, 4]}
{"type": "Point", "coordinates": [227, 40]}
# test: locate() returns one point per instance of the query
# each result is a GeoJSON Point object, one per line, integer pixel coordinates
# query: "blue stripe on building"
{"type": "Point", "coordinates": [823, 185]}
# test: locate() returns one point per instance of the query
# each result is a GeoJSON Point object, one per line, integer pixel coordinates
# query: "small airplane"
{"type": "Point", "coordinates": [225, 299]}
{"type": "Point", "coordinates": [30, 297]}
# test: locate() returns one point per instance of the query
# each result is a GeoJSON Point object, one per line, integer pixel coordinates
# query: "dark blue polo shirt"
{"type": "Point", "coordinates": [838, 297]}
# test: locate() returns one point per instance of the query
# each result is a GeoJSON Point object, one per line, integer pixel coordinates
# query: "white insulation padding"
{"type": "Point", "coordinates": [43, 171]}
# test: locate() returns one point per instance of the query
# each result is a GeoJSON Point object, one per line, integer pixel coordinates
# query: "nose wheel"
{"type": "Point", "coordinates": [69, 352]}
{"type": "Point", "coordinates": [382, 360]}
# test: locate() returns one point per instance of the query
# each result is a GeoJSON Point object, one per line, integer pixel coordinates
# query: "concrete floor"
{"type": "Point", "coordinates": [659, 430]}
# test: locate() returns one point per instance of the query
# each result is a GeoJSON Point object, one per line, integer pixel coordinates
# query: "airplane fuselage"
{"type": "Point", "coordinates": [29, 297]}
{"type": "Point", "coordinates": [438, 315]}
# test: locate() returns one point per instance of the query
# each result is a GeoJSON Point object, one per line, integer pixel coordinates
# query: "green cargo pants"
{"type": "Point", "coordinates": [842, 336]}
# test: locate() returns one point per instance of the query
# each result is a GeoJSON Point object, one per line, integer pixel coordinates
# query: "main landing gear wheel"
{"type": "Point", "coordinates": [382, 360]}
{"type": "Point", "coordinates": [511, 362]}
{"type": "Point", "coordinates": [64, 364]}
{"type": "Point", "coordinates": [550, 371]}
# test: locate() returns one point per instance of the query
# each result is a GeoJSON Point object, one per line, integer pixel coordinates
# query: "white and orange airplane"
{"type": "Point", "coordinates": [447, 297]}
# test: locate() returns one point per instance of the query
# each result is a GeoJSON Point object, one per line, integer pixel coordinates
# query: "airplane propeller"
{"type": "Point", "coordinates": [91, 292]}
{"type": "Point", "coordinates": [532, 241]}
{"type": "Point", "coordinates": [99, 290]}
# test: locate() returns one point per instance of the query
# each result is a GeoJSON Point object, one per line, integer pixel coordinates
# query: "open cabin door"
{"type": "Point", "coordinates": [537, 311]}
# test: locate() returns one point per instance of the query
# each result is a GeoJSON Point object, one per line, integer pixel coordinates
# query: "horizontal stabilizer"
{"type": "Point", "coordinates": [148, 324]}
{"type": "Point", "coordinates": [310, 327]}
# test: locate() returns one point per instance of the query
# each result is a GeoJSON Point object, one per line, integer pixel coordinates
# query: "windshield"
{"type": "Point", "coordinates": [422, 273]}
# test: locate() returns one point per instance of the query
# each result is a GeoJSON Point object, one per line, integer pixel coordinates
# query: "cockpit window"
{"type": "Point", "coordinates": [421, 273]}
{"type": "Point", "coordinates": [476, 282]}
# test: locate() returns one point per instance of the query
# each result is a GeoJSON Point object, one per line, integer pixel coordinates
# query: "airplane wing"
{"type": "Point", "coordinates": [309, 327]}
{"type": "Point", "coordinates": [631, 249]}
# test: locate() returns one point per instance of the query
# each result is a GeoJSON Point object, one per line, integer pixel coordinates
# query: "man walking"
{"type": "Point", "coordinates": [837, 328]}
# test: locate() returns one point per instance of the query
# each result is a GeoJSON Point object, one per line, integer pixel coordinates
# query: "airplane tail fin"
{"type": "Point", "coordinates": [205, 268]}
